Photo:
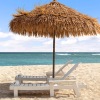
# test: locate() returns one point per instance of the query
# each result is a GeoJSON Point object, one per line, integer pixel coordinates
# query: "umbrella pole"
{"type": "Point", "coordinates": [53, 55]}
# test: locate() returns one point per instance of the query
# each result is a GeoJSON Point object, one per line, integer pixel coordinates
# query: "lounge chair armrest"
{"type": "Point", "coordinates": [61, 81]}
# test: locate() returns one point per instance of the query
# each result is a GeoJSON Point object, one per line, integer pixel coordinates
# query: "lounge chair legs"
{"type": "Point", "coordinates": [76, 90]}
{"type": "Point", "coordinates": [51, 90]}
{"type": "Point", "coordinates": [15, 93]}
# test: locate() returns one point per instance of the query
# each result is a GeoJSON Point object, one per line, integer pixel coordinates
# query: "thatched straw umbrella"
{"type": "Point", "coordinates": [53, 20]}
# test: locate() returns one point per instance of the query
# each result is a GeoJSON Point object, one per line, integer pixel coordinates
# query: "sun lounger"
{"type": "Point", "coordinates": [22, 78]}
{"type": "Point", "coordinates": [60, 71]}
{"type": "Point", "coordinates": [51, 85]}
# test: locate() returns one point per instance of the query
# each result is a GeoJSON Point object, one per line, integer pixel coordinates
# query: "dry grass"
{"type": "Point", "coordinates": [53, 18]}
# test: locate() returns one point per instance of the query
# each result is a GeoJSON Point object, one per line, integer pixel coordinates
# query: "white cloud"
{"type": "Point", "coordinates": [48, 42]}
{"type": "Point", "coordinates": [84, 38]}
{"type": "Point", "coordinates": [10, 42]}
{"type": "Point", "coordinates": [69, 41]}
{"type": "Point", "coordinates": [3, 35]}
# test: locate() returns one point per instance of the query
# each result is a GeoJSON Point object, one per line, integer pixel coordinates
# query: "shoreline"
{"type": "Point", "coordinates": [42, 65]}
{"type": "Point", "coordinates": [88, 73]}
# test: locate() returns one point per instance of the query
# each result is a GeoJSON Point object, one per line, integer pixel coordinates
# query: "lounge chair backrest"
{"type": "Point", "coordinates": [70, 71]}
{"type": "Point", "coordinates": [70, 61]}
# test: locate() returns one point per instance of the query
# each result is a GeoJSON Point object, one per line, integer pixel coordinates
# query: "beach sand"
{"type": "Point", "coordinates": [86, 73]}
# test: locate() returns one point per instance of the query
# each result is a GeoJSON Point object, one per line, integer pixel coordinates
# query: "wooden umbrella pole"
{"type": "Point", "coordinates": [54, 0]}
{"type": "Point", "coordinates": [54, 55]}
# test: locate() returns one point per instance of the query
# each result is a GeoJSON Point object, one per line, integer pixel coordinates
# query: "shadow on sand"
{"type": "Point", "coordinates": [6, 93]}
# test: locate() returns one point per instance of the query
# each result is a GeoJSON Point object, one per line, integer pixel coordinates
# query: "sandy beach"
{"type": "Point", "coordinates": [86, 73]}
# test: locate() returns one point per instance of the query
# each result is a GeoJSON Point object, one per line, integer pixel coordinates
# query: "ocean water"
{"type": "Point", "coordinates": [45, 58]}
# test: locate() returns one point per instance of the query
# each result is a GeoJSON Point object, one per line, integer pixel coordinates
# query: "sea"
{"type": "Point", "coordinates": [45, 58]}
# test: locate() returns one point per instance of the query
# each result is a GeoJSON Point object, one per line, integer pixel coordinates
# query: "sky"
{"type": "Point", "coordinates": [10, 42]}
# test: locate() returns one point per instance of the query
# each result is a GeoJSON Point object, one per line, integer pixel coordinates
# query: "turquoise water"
{"type": "Point", "coordinates": [40, 58]}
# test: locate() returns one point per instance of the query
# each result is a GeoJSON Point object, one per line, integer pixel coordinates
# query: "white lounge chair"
{"type": "Point", "coordinates": [22, 78]}
{"type": "Point", "coordinates": [51, 85]}
{"type": "Point", "coordinates": [60, 71]}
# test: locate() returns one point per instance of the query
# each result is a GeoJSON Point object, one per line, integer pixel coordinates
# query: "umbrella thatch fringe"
{"type": "Point", "coordinates": [54, 17]}
{"type": "Point", "coordinates": [20, 12]}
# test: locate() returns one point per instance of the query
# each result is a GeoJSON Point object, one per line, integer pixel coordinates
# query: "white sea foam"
{"type": "Point", "coordinates": [63, 54]}
{"type": "Point", "coordinates": [95, 54]}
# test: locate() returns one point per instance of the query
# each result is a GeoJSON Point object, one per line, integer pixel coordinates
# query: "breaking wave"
{"type": "Point", "coordinates": [95, 54]}
{"type": "Point", "coordinates": [63, 54]}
